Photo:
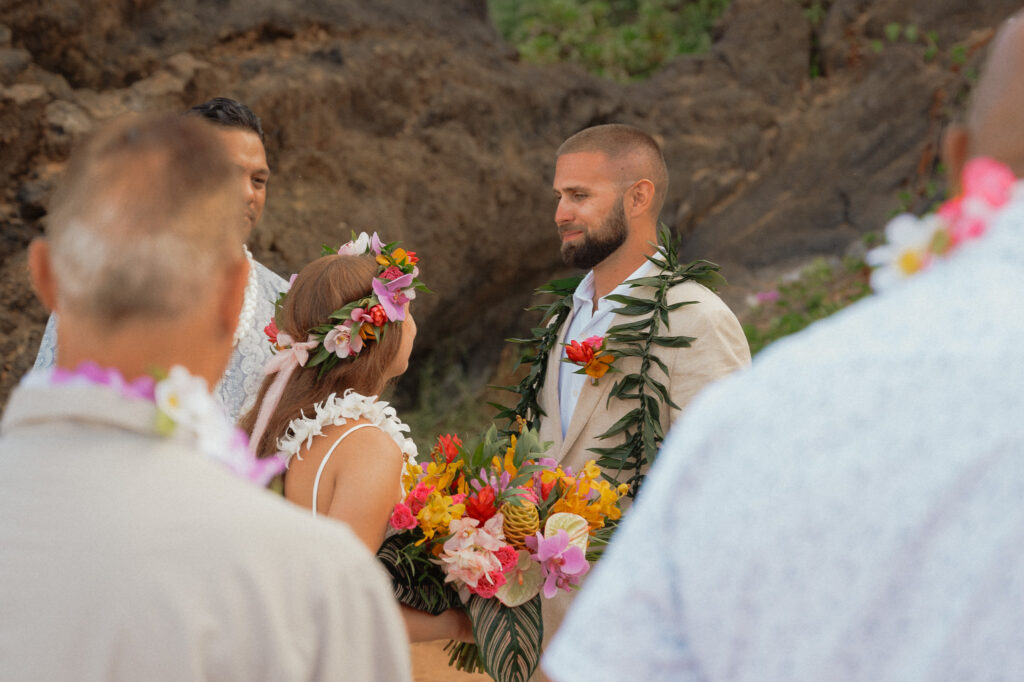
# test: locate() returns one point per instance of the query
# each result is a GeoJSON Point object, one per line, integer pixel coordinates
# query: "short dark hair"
{"type": "Point", "coordinates": [618, 141]}
{"type": "Point", "coordinates": [229, 112]}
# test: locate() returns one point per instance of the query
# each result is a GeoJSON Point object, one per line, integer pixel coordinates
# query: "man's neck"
{"type": "Point", "coordinates": [616, 268]}
{"type": "Point", "coordinates": [137, 349]}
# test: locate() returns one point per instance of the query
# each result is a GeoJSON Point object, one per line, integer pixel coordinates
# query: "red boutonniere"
{"type": "Point", "coordinates": [591, 356]}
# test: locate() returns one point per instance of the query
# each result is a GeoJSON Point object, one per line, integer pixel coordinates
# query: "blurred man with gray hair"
{"type": "Point", "coordinates": [128, 551]}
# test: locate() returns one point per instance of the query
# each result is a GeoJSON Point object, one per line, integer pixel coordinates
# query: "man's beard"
{"type": "Point", "coordinates": [593, 246]}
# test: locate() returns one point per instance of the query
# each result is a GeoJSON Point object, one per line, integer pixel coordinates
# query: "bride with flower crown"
{"type": "Point", "coordinates": [341, 333]}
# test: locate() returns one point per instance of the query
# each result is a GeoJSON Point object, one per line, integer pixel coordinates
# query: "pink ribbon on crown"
{"type": "Point", "coordinates": [285, 362]}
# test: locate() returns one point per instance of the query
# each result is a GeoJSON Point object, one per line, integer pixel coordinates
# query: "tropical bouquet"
{"type": "Point", "coordinates": [493, 529]}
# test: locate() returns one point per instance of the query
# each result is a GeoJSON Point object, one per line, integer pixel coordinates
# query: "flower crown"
{"type": "Point", "coordinates": [359, 322]}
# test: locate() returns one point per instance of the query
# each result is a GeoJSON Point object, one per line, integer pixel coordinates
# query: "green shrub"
{"type": "Point", "coordinates": [820, 290]}
{"type": "Point", "coordinates": [618, 39]}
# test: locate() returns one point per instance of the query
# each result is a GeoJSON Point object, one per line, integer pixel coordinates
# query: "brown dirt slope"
{"type": "Point", "coordinates": [415, 119]}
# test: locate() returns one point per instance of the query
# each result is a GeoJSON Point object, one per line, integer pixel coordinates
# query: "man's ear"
{"type": "Point", "coordinates": [41, 272]}
{"type": "Point", "coordinates": [955, 143]}
{"type": "Point", "coordinates": [639, 198]}
{"type": "Point", "coordinates": [233, 295]}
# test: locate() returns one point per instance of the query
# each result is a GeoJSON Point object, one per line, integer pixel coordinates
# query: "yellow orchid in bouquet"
{"type": "Point", "coordinates": [495, 528]}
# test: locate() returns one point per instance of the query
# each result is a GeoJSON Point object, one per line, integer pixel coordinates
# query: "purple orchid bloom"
{"type": "Point", "coordinates": [563, 564]}
{"type": "Point", "coordinates": [392, 295]}
{"type": "Point", "coordinates": [376, 245]}
{"type": "Point", "coordinates": [487, 478]}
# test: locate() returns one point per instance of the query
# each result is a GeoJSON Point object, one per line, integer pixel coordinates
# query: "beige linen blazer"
{"type": "Point", "coordinates": [719, 348]}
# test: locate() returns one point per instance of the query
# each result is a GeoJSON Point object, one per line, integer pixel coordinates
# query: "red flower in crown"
{"type": "Point", "coordinates": [377, 315]}
{"type": "Point", "coordinates": [411, 257]}
{"type": "Point", "coordinates": [271, 331]}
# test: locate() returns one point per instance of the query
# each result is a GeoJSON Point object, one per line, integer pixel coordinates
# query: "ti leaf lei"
{"type": "Point", "coordinates": [640, 428]}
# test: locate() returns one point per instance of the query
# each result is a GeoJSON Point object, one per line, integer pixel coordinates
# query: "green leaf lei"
{"type": "Point", "coordinates": [640, 426]}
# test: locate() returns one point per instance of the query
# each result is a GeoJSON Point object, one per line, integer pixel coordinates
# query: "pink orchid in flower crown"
{"type": "Point", "coordinates": [356, 247]}
{"type": "Point", "coordinates": [376, 245]}
{"type": "Point", "coordinates": [564, 564]}
{"type": "Point", "coordinates": [394, 295]}
{"type": "Point", "coordinates": [341, 342]}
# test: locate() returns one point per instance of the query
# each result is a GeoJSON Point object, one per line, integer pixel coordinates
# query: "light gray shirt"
{"type": "Point", "coordinates": [851, 508]}
{"type": "Point", "coordinates": [127, 556]}
{"type": "Point", "coordinates": [243, 377]}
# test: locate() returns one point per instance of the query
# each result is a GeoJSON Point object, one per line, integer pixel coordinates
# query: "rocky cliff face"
{"type": "Point", "coordinates": [415, 119]}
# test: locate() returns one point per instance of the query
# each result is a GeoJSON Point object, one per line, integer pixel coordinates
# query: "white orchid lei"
{"type": "Point", "coordinates": [184, 408]}
{"type": "Point", "coordinates": [335, 410]}
{"type": "Point", "coordinates": [358, 322]}
{"type": "Point", "coordinates": [914, 244]}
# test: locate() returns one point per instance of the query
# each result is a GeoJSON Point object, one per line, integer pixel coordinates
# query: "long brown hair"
{"type": "Point", "coordinates": [324, 286]}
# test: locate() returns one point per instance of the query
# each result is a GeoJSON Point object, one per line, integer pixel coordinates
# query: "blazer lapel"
{"type": "Point", "coordinates": [550, 394]}
{"type": "Point", "coordinates": [592, 398]}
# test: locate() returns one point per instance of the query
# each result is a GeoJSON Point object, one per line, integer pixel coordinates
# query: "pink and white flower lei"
{"type": "Point", "coordinates": [913, 244]}
{"type": "Point", "coordinates": [184, 408]}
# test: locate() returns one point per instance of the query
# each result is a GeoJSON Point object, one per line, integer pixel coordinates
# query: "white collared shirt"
{"type": "Point", "coordinates": [584, 323]}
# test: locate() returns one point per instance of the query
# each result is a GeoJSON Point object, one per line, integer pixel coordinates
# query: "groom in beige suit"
{"type": "Point", "coordinates": [610, 182]}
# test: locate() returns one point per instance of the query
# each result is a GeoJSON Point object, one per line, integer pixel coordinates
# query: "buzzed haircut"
{"type": "Point", "coordinates": [230, 113]}
{"type": "Point", "coordinates": [144, 218]}
{"type": "Point", "coordinates": [620, 142]}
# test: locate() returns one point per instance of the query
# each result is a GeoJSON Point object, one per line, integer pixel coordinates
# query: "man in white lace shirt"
{"type": "Point", "coordinates": [242, 134]}
{"type": "Point", "coordinates": [850, 508]}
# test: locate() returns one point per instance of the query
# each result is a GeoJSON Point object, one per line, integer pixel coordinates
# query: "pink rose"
{"type": "Point", "coordinates": [488, 586]}
{"type": "Point", "coordinates": [418, 497]}
{"type": "Point", "coordinates": [392, 272]}
{"type": "Point", "coordinates": [508, 556]}
{"type": "Point", "coordinates": [402, 518]}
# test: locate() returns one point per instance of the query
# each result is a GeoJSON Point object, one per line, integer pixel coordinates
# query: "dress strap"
{"type": "Point", "coordinates": [316, 482]}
